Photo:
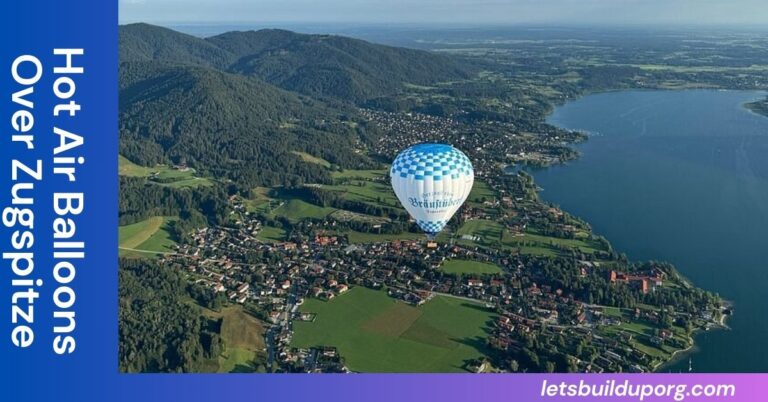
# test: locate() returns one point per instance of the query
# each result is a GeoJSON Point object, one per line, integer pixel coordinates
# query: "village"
{"type": "Point", "coordinates": [558, 289]}
{"type": "Point", "coordinates": [491, 145]}
{"type": "Point", "coordinates": [274, 279]}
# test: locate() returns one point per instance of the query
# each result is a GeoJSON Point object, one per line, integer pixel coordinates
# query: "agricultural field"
{"type": "Point", "coordinates": [312, 159]}
{"type": "Point", "coordinates": [467, 267]}
{"type": "Point", "coordinates": [361, 237]}
{"type": "Point", "coordinates": [375, 333]}
{"type": "Point", "coordinates": [271, 234]}
{"type": "Point", "coordinates": [488, 230]}
{"type": "Point", "coordinates": [369, 192]}
{"type": "Point", "coordinates": [342, 215]}
{"type": "Point", "coordinates": [243, 337]}
{"type": "Point", "coordinates": [480, 191]}
{"type": "Point", "coordinates": [146, 238]}
{"type": "Point", "coordinates": [360, 174]}
{"type": "Point", "coordinates": [128, 168]}
{"type": "Point", "coordinates": [353, 185]}
{"type": "Point", "coordinates": [296, 209]}
{"type": "Point", "coordinates": [260, 201]}
{"type": "Point", "coordinates": [162, 174]}
{"type": "Point", "coordinates": [532, 243]}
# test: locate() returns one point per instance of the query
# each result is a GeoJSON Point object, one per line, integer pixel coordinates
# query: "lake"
{"type": "Point", "coordinates": [680, 176]}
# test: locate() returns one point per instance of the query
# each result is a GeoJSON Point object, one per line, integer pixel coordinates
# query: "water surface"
{"type": "Point", "coordinates": [680, 176]}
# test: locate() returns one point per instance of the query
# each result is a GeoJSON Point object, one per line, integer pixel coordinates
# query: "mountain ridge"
{"type": "Point", "coordinates": [321, 66]}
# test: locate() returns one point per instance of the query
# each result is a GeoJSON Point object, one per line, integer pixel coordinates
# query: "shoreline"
{"type": "Point", "coordinates": [681, 353]}
{"type": "Point", "coordinates": [762, 96]}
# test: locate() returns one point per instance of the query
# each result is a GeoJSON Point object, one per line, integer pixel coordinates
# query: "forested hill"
{"type": "Point", "coordinates": [238, 106]}
{"type": "Point", "coordinates": [228, 126]}
{"type": "Point", "coordinates": [315, 65]}
{"type": "Point", "coordinates": [144, 42]}
{"type": "Point", "coordinates": [335, 66]}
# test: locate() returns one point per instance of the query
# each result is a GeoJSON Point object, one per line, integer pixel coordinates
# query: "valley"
{"type": "Point", "coordinates": [285, 211]}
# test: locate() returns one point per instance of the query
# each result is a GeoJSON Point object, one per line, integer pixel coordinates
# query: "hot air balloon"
{"type": "Point", "coordinates": [432, 181]}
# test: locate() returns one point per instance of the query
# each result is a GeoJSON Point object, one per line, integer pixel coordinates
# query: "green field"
{"type": "Point", "coordinates": [374, 193]}
{"type": "Point", "coordinates": [641, 330]}
{"type": "Point", "coordinates": [375, 333]}
{"type": "Point", "coordinates": [161, 174]}
{"type": "Point", "coordinates": [531, 243]}
{"type": "Point", "coordinates": [312, 159]}
{"type": "Point", "coordinates": [297, 209]}
{"type": "Point", "coordinates": [243, 337]}
{"type": "Point", "coordinates": [258, 200]}
{"type": "Point", "coordinates": [467, 267]}
{"type": "Point", "coordinates": [271, 234]}
{"type": "Point", "coordinates": [128, 168]}
{"type": "Point", "coordinates": [360, 237]}
{"type": "Point", "coordinates": [479, 191]}
{"type": "Point", "coordinates": [148, 235]}
{"type": "Point", "coordinates": [359, 174]}
{"type": "Point", "coordinates": [489, 231]}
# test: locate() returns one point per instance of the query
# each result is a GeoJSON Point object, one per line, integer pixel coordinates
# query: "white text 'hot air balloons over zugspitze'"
{"type": "Point", "coordinates": [432, 181]}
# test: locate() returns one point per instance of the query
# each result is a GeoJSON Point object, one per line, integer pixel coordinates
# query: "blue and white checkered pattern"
{"type": "Point", "coordinates": [435, 160]}
{"type": "Point", "coordinates": [431, 226]}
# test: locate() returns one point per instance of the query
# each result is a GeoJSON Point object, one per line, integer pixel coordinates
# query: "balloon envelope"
{"type": "Point", "coordinates": [432, 181]}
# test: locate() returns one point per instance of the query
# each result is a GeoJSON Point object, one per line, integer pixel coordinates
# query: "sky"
{"type": "Point", "coordinates": [472, 12]}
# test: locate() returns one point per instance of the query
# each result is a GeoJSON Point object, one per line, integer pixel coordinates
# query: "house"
{"type": "Point", "coordinates": [274, 315]}
{"type": "Point", "coordinates": [474, 282]}
{"type": "Point", "coordinates": [242, 288]}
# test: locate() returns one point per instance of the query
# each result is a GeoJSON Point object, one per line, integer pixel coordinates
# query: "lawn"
{"type": "Point", "coordinates": [375, 333]}
{"type": "Point", "coordinates": [488, 230]}
{"type": "Point", "coordinates": [479, 191]}
{"type": "Point", "coordinates": [361, 237]}
{"type": "Point", "coordinates": [243, 337]}
{"type": "Point", "coordinates": [151, 234]}
{"type": "Point", "coordinates": [312, 159]}
{"type": "Point", "coordinates": [179, 179]}
{"type": "Point", "coordinates": [545, 245]}
{"type": "Point", "coordinates": [359, 174]}
{"type": "Point", "coordinates": [161, 174]}
{"type": "Point", "coordinates": [342, 215]}
{"type": "Point", "coordinates": [467, 267]}
{"type": "Point", "coordinates": [296, 210]}
{"type": "Point", "coordinates": [128, 168]}
{"type": "Point", "coordinates": [236, 360]}
{"type": "Point", "coordinates": [271, 234]}
{"type": "Point", "coordinates": [130, 236]}
{"type": "Point", "coordinates": [375, 193]}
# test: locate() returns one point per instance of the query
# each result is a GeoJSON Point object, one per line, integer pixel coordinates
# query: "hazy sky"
{"type": "Point", "coordinates": [732, 12]}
